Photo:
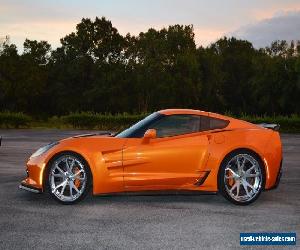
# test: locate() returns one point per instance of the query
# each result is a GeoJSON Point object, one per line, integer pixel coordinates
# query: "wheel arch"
{"type": "Point", "coordinates": [57, 154]}
{"type": "Point", "coordinates": [244, 149]}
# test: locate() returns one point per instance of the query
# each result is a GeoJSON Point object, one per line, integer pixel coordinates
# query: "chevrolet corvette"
{"type": "Point", "coordinates": [169, 150]}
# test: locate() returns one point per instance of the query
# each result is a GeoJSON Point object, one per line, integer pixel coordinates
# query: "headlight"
{"type": "Point", "coordinates": [44, 149]}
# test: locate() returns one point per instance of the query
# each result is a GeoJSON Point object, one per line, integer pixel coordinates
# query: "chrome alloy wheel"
{"type": "Point", "coordinates": [243, 178]}
{"type": "Point", "coordinates": [67, 178]}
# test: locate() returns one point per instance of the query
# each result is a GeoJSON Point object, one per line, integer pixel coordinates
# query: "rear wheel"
{"type": "Point", "coordinates": [241, 177]}
{"type": "Point", "coordinates": [68, 178]}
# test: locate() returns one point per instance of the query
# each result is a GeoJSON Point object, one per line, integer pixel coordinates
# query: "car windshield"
{"type": "Point", "coordinates": [138, 129]}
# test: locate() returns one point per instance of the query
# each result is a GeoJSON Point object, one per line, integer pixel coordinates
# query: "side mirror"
{"type": "Point", "coordinates": [150, 134]}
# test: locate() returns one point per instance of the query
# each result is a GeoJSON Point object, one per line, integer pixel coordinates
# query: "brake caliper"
{"type": "Point", "coordinates": [77, 181]}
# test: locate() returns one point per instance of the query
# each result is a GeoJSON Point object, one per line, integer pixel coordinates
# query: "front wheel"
{"type": "Point", "coordinates": [241, 177]}
{"type": "Point", "coordinates": [68, 178]}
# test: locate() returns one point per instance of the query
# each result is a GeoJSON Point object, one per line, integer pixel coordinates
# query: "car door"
{"type": "Point", "coordinates": [174, 159]}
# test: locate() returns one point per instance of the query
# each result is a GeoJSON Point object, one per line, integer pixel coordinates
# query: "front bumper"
{"type": "Point", "coordinates": [34, 176]}
{"type": "Point", "coordinates": [30, 188]}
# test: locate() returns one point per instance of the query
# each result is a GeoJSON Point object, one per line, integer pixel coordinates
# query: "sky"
{"type": "Point", "coordinates": [259, 21]}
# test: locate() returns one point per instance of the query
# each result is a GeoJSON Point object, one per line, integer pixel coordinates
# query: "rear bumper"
{"type": "Point", "coordinates": [278, 178]}
{"type": "Point", "coordinates": [30, 188]}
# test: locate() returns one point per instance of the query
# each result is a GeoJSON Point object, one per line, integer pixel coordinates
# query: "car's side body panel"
{"type": "Point", "coordinates": [164, 163]}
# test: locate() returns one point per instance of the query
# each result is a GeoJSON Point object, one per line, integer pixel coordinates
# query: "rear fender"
{"type": "Point", "coordinates": [251, 139]}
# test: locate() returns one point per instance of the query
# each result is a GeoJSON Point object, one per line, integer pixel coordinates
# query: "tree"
{"type": "Point", "coordinates": [236, 63]}
{"type": "Point", "coordinates": [98, 69]}
{"type": "Point", "coordinates": [38, 52]}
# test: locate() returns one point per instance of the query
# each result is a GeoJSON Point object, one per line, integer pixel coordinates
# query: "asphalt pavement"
{"type": "Point", "coordinates": [34, 221]}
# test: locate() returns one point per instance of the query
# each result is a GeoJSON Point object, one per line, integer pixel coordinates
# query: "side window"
{"type": "Point", "coordinates": [218, 123]}
{"type": "Point", "coordinates": [177, 125]}
{"type": "Point", "coordinates": [205, 123]}
{"type": "Point", "coordinates": [210, 123]}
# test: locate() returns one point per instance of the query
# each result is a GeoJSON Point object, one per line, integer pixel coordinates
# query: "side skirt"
{"type": "Point", "coordinates": [158, 193]}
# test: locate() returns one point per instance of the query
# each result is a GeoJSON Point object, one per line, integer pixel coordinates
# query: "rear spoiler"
{"type": "Point", "coordinates": [272, 126]}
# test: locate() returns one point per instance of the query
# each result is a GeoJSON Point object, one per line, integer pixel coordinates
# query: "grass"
{"type": "Point", "coordinates": [14, 120]}
{"type": "Point", "coordinates": [97, 121]}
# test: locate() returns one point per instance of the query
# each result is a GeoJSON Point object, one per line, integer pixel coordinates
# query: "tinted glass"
{"type": "Point", "coordinates": [177, 125]}
{"type": "Point", "coordinates": [210, 123]}
{"type": "Point", "coordinates": [205, 123]}
{"type": "Point", "coordinates": [172, 125]}
{"type": "Point", "coordinates": [138, 129]}
{"type": "Point", "coordinates": [218, 123]}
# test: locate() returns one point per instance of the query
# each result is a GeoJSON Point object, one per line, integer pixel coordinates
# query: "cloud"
{"type": "Point", "coordinates": [282, 26]}
{"type": "Point", "coordinates": [206, 36]}
{"type": "Point", "coordinates": [273, 11]}
{"type": "Point", "coordinates": [53, 19]}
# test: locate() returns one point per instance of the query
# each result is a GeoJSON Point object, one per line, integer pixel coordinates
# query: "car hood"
{"type": "Point", "coordinates": [91, 142]}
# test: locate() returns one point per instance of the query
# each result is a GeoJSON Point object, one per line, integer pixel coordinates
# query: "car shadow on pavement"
{"type": "Point", "coordinates": [127, 199]}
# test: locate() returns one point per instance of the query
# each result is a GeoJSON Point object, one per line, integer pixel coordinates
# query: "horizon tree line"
{"type": "Point", "coordinates": [97, 69]}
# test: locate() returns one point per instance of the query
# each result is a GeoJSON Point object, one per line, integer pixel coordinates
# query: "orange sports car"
{"type": "Point", "coordinates": [174, 149]}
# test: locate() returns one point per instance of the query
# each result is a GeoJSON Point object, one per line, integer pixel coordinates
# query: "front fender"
{"type": "Point", "coordinates": [103, 155]}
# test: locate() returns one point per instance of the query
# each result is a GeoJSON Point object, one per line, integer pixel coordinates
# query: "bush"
{"type": "Point", "coordinates": [100, 121]}
{"type": "Point", "coordinates": [90, 120]}
{"type": "Point", "coordinates": [117, 122]}
{"type": "Point", "coordinates": [14, 120]}
{"type": "Point", "coordinates": [80, 120]}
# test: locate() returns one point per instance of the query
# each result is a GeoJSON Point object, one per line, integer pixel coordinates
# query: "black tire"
{"type": "Point", "coordinates": [239, 180]}
{"type": "Point", "coordinates": [87, 182]}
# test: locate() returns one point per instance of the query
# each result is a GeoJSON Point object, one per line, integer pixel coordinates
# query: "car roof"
{"type": "Point", "coordinates": [183, 112]}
